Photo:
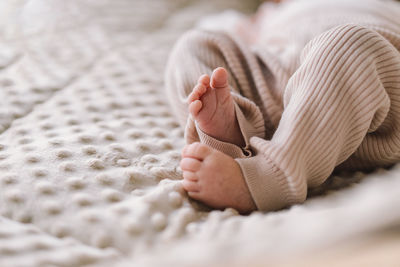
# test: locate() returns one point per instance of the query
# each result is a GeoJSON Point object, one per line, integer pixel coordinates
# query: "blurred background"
{"type": "Point", "coordinates": [51, 42]}
{"type": "Point", "coordinates": [25, 17]}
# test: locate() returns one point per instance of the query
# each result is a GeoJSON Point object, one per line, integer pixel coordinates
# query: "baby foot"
{"type": "Point", "coordinates": [211, 105]}
{"type": "Point", "coordinates": [214, 178]}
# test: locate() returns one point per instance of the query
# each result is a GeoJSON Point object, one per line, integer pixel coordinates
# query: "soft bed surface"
{"type": "Point", "coordinates": [89, 154]}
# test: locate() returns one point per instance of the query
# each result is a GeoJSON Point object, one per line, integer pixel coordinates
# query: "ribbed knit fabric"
{"type": "Point", "coordinates": [320, 89]}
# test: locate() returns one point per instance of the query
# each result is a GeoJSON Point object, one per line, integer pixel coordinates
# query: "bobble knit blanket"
{"type": "Point", "coordinates": [89, 155]}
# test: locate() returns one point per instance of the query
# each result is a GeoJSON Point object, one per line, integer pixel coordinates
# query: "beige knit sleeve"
{"type": "Point", "coordinates": [342, 103]}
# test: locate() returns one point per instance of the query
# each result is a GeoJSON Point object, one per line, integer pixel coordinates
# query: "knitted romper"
{"type": "Point", "coordinates": [319, 91]}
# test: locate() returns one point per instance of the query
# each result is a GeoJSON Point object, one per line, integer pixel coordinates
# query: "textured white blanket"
{"type": "Point", "coordinates": [89, 154]}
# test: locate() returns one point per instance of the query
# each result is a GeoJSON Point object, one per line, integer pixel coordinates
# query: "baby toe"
{"type": "Point", "coordinates": [190, 186]}
{"type": "Point", "coordinates": [197, 150]}
{"type": "Point", "coordinates": [204, 79]}
{"type": "Point", "coordinates": [195, 107]}
{"type": "Point", "coordinates": [191, 176]}
{"type": "Point", "coordinates": [196, 93]}
{"type": "Point", "coordinates": [195, 195]}
{"type": "Point", "coordinates": [219, 78]}
{"type": "Point", "coordinates": [190, 164]}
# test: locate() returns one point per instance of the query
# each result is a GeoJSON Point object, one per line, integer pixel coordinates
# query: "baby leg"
{"type": "Point", "coordinates": [341, 106]}
{"type": "Point", "coordinates": [211, 99]}
{"type": "Point", "coordinates": [213, 178]}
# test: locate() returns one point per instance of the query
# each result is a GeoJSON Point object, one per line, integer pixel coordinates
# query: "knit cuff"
{"type": "Point", "coordinates": [267, 184]}
{"type": "Point", "coordinates": [229, 149]}
{"type": "Point", "coordinates": [249, 117]}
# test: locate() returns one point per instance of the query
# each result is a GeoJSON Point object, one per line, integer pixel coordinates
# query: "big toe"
{"type": "Point", "coordinates": [219, 78]}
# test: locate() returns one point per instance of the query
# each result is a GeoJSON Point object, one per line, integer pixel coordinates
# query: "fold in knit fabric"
{"type": "Point", "coordinates": [318, 90]}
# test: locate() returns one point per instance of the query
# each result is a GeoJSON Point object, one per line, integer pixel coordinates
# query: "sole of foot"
{"type": "Point", "coordinates": [212, 106]}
